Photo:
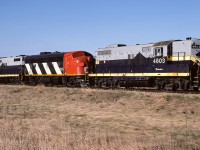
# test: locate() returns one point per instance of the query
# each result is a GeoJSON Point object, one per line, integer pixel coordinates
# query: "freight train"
{"type": "Point", "coordinates": [172, 64]}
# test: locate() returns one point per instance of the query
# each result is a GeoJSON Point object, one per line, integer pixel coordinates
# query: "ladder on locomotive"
{"type": "Point", "coordinates": [196, 80]}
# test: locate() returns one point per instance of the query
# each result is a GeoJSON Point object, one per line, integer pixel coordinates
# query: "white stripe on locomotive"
{"type": "Point", "coordinates": [46, 67]}
{"type": "Point", "coordinates": [37, 68]}
{"type": "Point", "coordinates": [56, 67]}
{"type": "Point", "coordinates": [30, 72]}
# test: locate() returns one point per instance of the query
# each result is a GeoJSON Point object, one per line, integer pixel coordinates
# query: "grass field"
{"type": "Point", "coordinates": [89, 119]}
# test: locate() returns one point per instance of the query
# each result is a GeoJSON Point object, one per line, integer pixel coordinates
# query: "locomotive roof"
{"type": "Point", "coordinates": [46, 55]}
{"type": "Point", "coordinates": [164, 43]}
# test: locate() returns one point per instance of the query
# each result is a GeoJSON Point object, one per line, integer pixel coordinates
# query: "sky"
{"type": "Point", "coordinates": [29, 27]}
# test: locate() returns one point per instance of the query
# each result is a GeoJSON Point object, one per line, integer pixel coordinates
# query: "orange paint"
{"type": "Point", "coordinates": [76, 63]}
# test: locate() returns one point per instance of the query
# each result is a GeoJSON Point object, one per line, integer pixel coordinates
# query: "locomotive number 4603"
{"type": "Point", "coordinates": [159, 60]}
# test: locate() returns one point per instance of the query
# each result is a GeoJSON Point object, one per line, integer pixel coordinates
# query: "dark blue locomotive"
{"type": "Point", "coordinates": [170, 64]}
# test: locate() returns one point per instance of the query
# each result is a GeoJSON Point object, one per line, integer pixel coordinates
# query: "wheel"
{"type": "Point", "coordinates": [100, 83]}
{"type": "Point", "coordinates": [195, 88]}
{"type": "Point", "coordinates": [185, 85]}
{"type": "Point", "coordinates": [158, 86]}
{"type": "Point", "coordinates": [109, 84]}
{"type": "Point", "coordinates": [175, 87]}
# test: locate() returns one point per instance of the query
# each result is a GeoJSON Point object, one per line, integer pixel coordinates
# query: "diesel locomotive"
{"type": "Point", "coordinates": [70, 69]}
{"type": "Point", "coordinates": [172, 64]}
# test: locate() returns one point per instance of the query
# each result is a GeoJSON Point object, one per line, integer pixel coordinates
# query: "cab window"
{"type": "Point", "coordinates": [17, 59]}
{"type": "Point", "coordinates": [77, 54]}
{"type": "Point", "coordinates": [195, 46]}
{"type": "Point", "coordinates": [158, 51]}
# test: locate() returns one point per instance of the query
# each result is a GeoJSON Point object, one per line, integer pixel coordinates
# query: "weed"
{"type": "Point", "coordinates": [68, 118]}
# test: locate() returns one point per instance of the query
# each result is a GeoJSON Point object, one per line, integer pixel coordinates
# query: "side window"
{"type": "Point", "coordinates": [17, 59]}
{"type": "Point", "coordinates": [158, 51]}
{"type": "Point", "coordinates": [169, 50]}
{"type": "Point", "coordinates": [107, 52]}
{"type": "Point", "coordinates": [100, 52]}
{"type": "Point", "coordinates": [155, 52]}
{"type": "Point", "coordinates": [130, 56]}
{"type": "Point", "coordinates": [195, 46]}
{"type": "Point", "coordinates": [146, 49]}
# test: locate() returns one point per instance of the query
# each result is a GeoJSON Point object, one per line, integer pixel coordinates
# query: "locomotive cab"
{"type": "Point", "coordinates": [76, 63]}
{"type": "Point", "coordinates": [195, 48]}
{"type": "Point", "coordinates": [163, 49]}
{"type": "Point", "coordinates": [77, 67]}
{"type": "Point", "coordinates": [181, 49]}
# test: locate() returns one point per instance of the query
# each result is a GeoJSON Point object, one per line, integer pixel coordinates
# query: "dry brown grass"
{"type": "Point", "coordinates": [62, 118]}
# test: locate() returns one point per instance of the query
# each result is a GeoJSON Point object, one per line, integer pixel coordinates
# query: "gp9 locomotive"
{"type": "Point", "coordinates": [172, 64]}
{"type": "Point", "coordinates": [70, 68]}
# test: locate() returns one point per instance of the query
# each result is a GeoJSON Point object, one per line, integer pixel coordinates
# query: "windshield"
{"type": "Point", "coordinates": [78, 54]}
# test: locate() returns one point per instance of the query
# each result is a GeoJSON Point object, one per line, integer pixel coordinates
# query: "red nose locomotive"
{"type": "Point", "coordinates": [77, 66]}
{"type": "Point", "coordinates": [69, 68]}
